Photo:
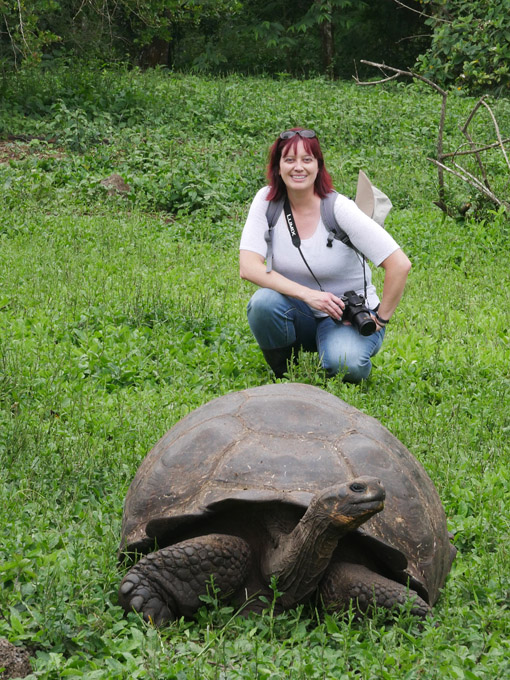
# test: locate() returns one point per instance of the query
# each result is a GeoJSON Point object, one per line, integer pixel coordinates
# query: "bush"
{"type": "Point", "coordinates": [470, 46]}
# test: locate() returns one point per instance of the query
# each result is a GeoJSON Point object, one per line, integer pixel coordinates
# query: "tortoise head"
{"type": "Point", "coordinates": [302, 556]}
{"type": "Point", "coordinates": [350, 504]}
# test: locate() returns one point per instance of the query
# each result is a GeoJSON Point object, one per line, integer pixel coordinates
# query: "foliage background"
{"type": "Point", "coordinates": [454, 42]}
{"type": "Point", "coordinates": [120, 314]}
{"type": "Point", "coordinates": [470, 45]}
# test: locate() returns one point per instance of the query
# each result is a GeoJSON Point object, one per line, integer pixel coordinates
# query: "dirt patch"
{"type": "Point", "coordinates": [18, 148]}
{"type": "Point", "coordinates": [15, 661]}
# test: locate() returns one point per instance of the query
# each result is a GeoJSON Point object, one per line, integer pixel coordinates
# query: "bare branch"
{"type": "Point", "coordinates": [466, 134]}
{"type": "Point", "coordinates": [383, 68]}
{"type": "Point", "coordinates": [13, 44]}
{"type": "Point", "coordinates": [21, 28]}
{"type": "Point", "coordinates": [411, 74]}
{"type": "Point", "coordinates": [413, 37]}
{"type": "Point", "coordinates": [487, 147]}
{"type": "Point", "coordinates": [440, 175]}
{"type": "Point", "coordinates": [400, 72]}
{"type": "Point", "coordinates": [377, 82]}
{"type": "Point", "coordinates": [79, 9]}
{"type": "Point", "coordinates": [466, 176]}
{"type": "Point", "coordinates": [422, 14]}
{"type": "Point", "coordinates": [500, 143]}
{"type": "Point", "coordinates": [472, 114]}
{"type": "Point", "coordinates": [477, 183]}
{"type": "Point", "coordinates": [390, 73]}
{"type": "Point", "coordinates": [439, 145]}
{"type": "Point", "coordinates": [498, 134]}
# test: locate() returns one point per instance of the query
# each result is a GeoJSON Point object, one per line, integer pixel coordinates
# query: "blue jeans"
{"type": "Point", "coordinates": [278, 321]}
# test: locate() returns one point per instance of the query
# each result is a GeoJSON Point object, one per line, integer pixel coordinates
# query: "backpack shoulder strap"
{"type": "Point", "coordinates": [273, 212]}
{"type": "Point", "coordinates": [335, 231]}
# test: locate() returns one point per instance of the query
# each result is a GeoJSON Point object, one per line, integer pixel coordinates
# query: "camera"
{"type": "Point", "coordinates": [357, 313]}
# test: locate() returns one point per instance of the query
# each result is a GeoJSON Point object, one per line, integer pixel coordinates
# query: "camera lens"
{"type": "Point", "coordinates": [357, 313]}
{"type": "Point", "coordinates": [366, 326]}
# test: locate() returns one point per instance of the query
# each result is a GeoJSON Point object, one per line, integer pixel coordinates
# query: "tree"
{"type": "Point", "coordinates": [320, 36]}
{"type": "Point", "coordinates": [22, 38]}
{"type": "Point", "coordinates": [321, 15]}
{"type": "Point", "coordinates": [155, 23]}
{"type": "Point", "coordinates": [470, 45]}
{"type": "Point", "coordinates": [302, 37]}
{"type": "Point", "coordinates": [29, 28]}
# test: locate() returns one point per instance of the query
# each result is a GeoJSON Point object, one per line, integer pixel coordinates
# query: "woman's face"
{"type": "Point", "coordinates": [298, 168]}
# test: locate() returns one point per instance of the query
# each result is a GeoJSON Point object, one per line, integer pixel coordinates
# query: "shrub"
{"type": "Point", "coordinates": [470, 44]}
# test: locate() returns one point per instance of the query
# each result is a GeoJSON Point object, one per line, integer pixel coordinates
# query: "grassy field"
{"type": "Point", "coordinates": [120, 314]}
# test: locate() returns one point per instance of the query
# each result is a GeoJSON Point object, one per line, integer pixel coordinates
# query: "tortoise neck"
{"type": "Point", "coordinates": [301, 557]}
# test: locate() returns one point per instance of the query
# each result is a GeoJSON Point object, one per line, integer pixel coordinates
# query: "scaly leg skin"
{"type": "Point", "coordinates": [168, 583]}
{"type": "Point", "coordinates": [345, 582]}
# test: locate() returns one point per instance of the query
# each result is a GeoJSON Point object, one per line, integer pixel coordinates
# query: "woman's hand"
{"type": "Point", "coordinates": [252, 268]}
{"type": "Point", "coordinates": [378, 325]}
{"type": "Point", "coordinates": [396, 268]}
{"type": "Point", "coordinates": [328, 303]}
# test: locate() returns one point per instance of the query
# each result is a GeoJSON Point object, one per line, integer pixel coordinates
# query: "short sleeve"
{"type": "Point", "coordinates": [253, 236]}
{"type": "Point", "coordinates": [365, 234]}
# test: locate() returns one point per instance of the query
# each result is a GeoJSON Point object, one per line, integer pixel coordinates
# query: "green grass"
{"type": "Point", "coordinates": [120, 315]}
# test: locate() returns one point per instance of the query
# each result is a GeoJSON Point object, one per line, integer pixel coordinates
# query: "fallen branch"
{"type": "Point", "coordinates": [483, 186]}
{"type": "Point", "coordinates": [444, 95]}
{"type": "Point", "coordinates": [398, 72]}
{"type": "Point", "coordinates": [466, 176]}
{"type": "Point", "coordinates": [498, 135]}
{"type": "Point", "coordinates": [487, 147]}
{"type": "Point", "coordinates": [466, 134]}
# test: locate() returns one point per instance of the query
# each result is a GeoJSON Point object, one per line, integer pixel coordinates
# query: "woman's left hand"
{"type": "Point", "coordinates": [396, 268]}
{"type": "Point", "coordinates": [378, 325]}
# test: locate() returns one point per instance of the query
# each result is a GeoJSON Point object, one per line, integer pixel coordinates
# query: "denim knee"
{"type": "Point", "coordinates": [262, 304]}
{"type": "Point", "coordinates": [357, 368]}
{"type": "Point", "coordinates": [343, 349]}
{"type": "Point", "coordinates": [278, 320]}
{"type": "Point", "coordinates": [267, 311]}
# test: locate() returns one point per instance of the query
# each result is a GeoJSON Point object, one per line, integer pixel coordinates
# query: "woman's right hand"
{"type": "Point", "coordinates": [252, 268]}
{"type": "Point", "coordinates": [328, 303]}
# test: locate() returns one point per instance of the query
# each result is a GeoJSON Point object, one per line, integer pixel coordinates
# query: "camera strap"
{"type": "Point", "coordinates": [296, 241]}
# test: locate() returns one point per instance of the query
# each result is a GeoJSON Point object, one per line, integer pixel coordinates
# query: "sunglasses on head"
{"type": "Point", "coordinates": [288, 134]}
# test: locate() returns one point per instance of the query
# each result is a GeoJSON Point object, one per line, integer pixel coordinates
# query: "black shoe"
{"type": "Point", "coordinates": [278, 359]}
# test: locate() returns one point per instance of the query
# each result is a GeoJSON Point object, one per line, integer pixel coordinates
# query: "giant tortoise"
{"type": "Point", "coordinates": [286, 481]}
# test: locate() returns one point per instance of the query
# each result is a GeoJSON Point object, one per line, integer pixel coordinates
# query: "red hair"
{"type": "Point", "coordinates": [323, 182]}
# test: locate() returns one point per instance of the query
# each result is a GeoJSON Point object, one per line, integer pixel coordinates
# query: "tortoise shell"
{"type": "Point", "coordinates": [282, 444]}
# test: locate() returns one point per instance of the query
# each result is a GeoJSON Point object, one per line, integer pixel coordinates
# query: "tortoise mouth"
{"type": "Point", "coordinates": [378, 496]}
{"type": "Point", "coordinates": [373, 505]}
{"type": "Point", "coordinates": [375, 498]}
{"type": "Point", "coordinates": [376, 505]}
{"type": "Point", "coordinates": [358, 513]}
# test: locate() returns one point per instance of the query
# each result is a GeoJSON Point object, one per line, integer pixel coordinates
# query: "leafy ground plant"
{"type": "Point", "coordinates": [119, 315]}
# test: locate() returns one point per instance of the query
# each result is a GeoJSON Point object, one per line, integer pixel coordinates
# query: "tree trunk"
{"type": "Point", "coordinates": [328, 48]}
{"type": "Point", "coordinates": [326, 33]}
{"type": "Point", "coordinates": [155, 54]}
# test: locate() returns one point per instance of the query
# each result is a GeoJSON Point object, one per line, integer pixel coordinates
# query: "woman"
{"type": "Point", "coordinates": [299, 303]}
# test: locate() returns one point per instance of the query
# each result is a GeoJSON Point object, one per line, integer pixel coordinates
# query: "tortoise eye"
{"type": "Point", "coordinates": [358, 487]}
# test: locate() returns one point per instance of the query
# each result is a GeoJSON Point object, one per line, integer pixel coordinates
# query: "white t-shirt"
{"type": "Point", "coordinates": [339, 268]}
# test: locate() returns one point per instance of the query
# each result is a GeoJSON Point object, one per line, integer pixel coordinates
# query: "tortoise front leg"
{"type": "Point", "coordinates": [346, 582]}
{"type": "Point", "coordinates": [168, 583]}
